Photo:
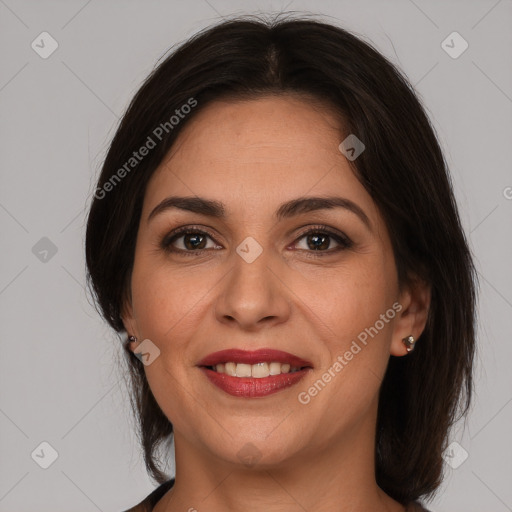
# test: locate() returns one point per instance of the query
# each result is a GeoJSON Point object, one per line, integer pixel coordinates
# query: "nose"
{"type": "Point", "coordinates": [253, 296]}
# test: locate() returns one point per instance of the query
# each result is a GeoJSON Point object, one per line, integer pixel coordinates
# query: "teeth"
{"type": "Point", "coordinates": [258, 370]}
{"type": "Point", "coordinates": [230, 369]}
{"type": "Point", "coordinates": [275, 368]}
{"type": "Point", "coordinates": [243, 370]}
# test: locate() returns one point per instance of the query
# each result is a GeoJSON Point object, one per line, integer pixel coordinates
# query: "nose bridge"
{"type": "Point", "coordinates": [252, 292]}
{"type": "Point", "coordinates": [251, 262]}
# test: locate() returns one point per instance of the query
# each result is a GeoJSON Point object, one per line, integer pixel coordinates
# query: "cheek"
{"type": "Point", "coordinates": [357, 308]}
{"type": "Point", "coordinates": [166, 305]}
{"type": "Point", "coordinates": [165, 299]}
{"type": "Point", "coordinates": [352, 298]}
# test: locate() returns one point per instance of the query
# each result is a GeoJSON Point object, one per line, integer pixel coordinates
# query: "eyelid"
{"type": "Point", "coordinates": [183, 230]}
{"type": "Point", "coordinates": [326, 230]}
{"type": "Point", "coordinates": [341, 238]}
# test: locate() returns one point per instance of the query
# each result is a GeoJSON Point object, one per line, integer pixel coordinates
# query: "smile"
{"type": "Point", "coordinates": [258, 370]}
{"type": "Point", "coordinates": [254, 387]}
{"type": "Point", "coordinates": [256, 373]}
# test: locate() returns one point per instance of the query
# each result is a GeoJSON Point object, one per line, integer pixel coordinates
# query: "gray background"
{"type": "Point", "coordinates": [58, 370]}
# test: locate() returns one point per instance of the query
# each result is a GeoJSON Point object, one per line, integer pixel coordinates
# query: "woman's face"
{"type": "Point", "coordinates": [252, 279]}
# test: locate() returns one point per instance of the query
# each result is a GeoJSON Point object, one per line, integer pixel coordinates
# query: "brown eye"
{"type": "Point", "coordinates": [320, 240]}
{"type": "Point", "coordinates": [187, 240]}
{"type": "Point", "coordinates": [193, 241]}
{"type": "Point", "coordinates": [190, 241]}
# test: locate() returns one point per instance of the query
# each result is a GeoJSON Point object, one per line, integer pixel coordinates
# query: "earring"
{"type": "Point", "coordinates": [409, 342]}
{"type": "Point", "coordinates": [131, 339]}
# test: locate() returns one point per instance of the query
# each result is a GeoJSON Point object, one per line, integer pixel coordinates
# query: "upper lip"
{"type": "Point", "coordinates": [252, 357]}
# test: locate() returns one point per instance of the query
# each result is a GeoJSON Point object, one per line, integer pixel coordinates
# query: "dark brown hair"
{"type": "Point", "coordinates": [402, 168]}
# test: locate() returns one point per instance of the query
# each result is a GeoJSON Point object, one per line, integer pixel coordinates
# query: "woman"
{"type": "Point", "coordinates": [275, 232]}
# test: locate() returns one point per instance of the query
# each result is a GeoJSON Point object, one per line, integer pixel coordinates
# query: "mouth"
{"type": "Point", "coordinates": [253, 374]}
{"type": "Point", "coordinates": [256, 371]}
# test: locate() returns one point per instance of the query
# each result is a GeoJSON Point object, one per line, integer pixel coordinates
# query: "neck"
{"type": "Point", "coordinates": [325, 476]}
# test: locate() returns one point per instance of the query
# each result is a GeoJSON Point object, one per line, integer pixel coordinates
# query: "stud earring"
{"type": "Point", "coordinates": [131, 339]}
{"type": "Point", "coordinates": [409, 342]}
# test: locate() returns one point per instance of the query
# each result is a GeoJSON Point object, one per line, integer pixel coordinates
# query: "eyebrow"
{"type": "Point", "coordinates": [298, 206]}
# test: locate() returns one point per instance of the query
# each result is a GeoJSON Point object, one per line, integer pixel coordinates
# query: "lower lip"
{"type": "Point", "coordinates": [250, 387]}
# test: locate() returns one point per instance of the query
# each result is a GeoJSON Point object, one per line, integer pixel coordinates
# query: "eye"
{"type": "Point", "coordinates": [191, 240]}
{"type": "Point", "coordinates": [319, 239]}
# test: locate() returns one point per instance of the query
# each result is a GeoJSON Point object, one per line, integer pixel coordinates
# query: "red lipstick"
{"type": "Point", "coordinates": [253, 387]}
{"type": "Point", "coordinates": [252, 357]}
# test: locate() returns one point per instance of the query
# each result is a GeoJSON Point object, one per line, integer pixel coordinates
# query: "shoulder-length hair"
{"type": "Point", "coordinates": [402, 168]}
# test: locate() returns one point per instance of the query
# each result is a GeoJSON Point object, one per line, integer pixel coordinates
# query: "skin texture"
{"type": "Point", "coordinates": [252, 156]}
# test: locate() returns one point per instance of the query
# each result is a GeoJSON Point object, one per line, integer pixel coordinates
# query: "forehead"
{"type": "Point", "coordinates": [262, 130]}
{"type": "Point", "coordinates": [260, 152]}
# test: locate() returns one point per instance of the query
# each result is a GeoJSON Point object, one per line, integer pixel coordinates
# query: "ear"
{"type": "Point", "coordinates": [412, 318]}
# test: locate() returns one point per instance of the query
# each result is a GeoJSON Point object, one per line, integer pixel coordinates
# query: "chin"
{"type": "Point", "coordinates": [261, 451]}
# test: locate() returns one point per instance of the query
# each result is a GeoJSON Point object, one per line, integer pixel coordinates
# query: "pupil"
{"type": "Point", "coordinates": [192, 241]}
{"type": "Point", "coordinates": [319, 241]}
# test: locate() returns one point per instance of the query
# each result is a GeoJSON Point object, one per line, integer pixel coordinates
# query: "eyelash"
{"type": "Point", "coordinates": [343, 241]}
